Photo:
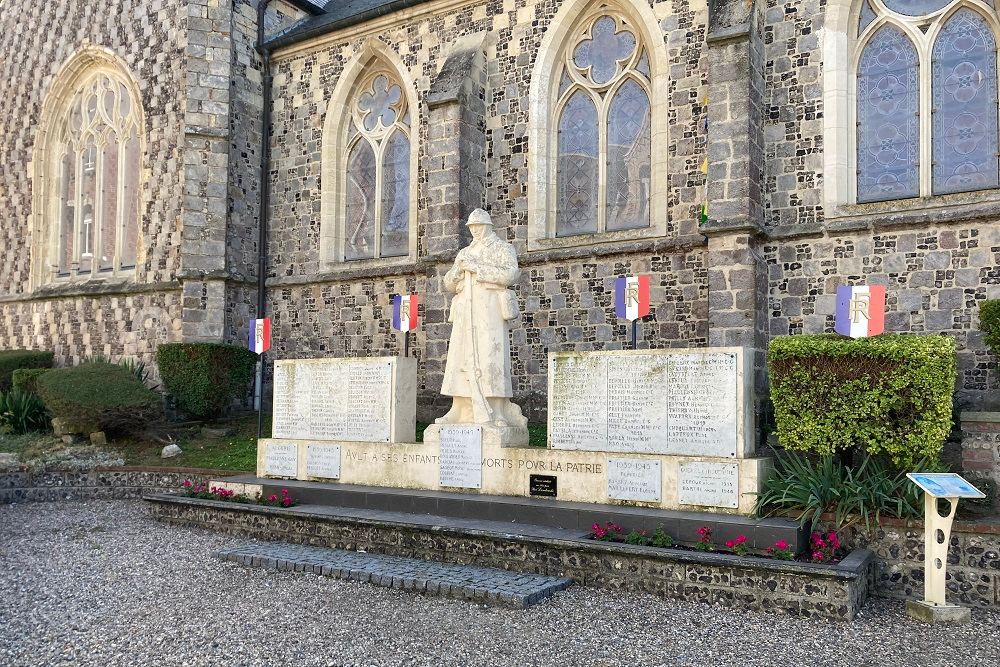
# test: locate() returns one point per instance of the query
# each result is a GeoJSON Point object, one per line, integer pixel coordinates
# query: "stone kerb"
{"type": "Point", "coordinates": [116, 483]}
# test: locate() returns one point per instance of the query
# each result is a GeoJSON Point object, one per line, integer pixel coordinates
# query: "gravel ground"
{"type": "Point", "coordinates": [100, 583]}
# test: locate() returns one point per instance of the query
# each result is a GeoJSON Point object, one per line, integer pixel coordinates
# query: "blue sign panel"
{"type": "Point", "coordinates": [945, 485]}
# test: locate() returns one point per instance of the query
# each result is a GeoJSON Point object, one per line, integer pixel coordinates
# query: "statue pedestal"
{"type": "Point", "coordinates": [493, 436]}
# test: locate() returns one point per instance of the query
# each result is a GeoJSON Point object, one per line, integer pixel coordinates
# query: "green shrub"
{"type": "Point", "coordinates": [21, 412]}
{"type": "Point", "coordinates": [11, 360]}
{"type": "Point", "coordinates": [889, 394]}
{"type": "Point", "coordinates": [98, 397]}
{"type": "Point", "coordinates": [25, 378]}
{"type": "Point", "coordinates": [811, 486]}
{"type": "Point", "coordinates": [989, 324]}
{"type": "Point", "coordinates": [204, 378]}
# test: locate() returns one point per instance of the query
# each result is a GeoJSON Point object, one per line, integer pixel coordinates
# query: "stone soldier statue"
{"type": "Point", "coordinates": [477, 372]}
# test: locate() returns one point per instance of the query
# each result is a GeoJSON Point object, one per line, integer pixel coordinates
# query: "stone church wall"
{"type": "Point", "coordinates": [76, 320]}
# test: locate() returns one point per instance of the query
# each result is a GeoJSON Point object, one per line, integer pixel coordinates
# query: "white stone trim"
{"type": "Point", "coordinates": [373, 55]}
{"type": "Point", "coordinates": [543, 98]}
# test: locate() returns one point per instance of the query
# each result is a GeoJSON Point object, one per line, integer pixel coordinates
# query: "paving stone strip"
{"type": "Point", "coordinates": [465, 582]}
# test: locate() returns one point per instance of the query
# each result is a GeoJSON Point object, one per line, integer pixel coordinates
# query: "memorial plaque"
{"type": "Point", "coordinates": [543, 485]}
{"type": "Point", "coordinates": [333, 399]}
{"type": "Point", "coordinates": [461, 457]}
{"type": "Point", "coordinates": [634, 479]}
{"type": "Point", "coordinates": [678, 402]}
{"type": "Point", "coordinates": [709, 484]}
{"type": "Point", "coordinates": [281, 460]}
{"type": "Point", "coordinates": [323, 461]}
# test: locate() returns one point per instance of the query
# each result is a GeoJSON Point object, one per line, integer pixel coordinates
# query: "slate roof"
{"type": "Point", "coordinates": [336, 15]}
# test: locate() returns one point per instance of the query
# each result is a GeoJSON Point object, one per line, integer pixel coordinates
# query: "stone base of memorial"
{"type": "Point", "coordinates": [666, 482]}
{"type": "Point", "coordinates": [500, 436]}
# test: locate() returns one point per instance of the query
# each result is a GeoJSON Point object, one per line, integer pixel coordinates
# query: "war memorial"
{"type": "Point", "coordinates": [616, 332]}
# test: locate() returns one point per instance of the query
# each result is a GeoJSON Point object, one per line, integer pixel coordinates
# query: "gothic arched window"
{"type": "Point", "coordinates": [603, 148]}
{"type": "Point", "coordinates": [377, 213]}
{"type": "Point", "coordinates": [92, 164]}
{"type": "Point", "coordinates": [926, 112]}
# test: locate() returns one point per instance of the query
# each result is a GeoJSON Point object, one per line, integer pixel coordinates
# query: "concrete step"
{"type": "Point", "coordinates": [682, 526]}
{"type": "Point", "coordinates": [464, 582]}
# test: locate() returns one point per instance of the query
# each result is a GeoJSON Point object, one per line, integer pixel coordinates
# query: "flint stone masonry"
{"type": "Point", "coordinates": [464, 582]}
{"type": "Point", "coordinates": [23, 486]}
{"type": "Point", "coordinates": [830, 592]}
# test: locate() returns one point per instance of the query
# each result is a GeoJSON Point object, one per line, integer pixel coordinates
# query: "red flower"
{"type": "Point", "coordinates": [781, 544]}
{"type": "Point", "coordinates": [730, 544]}
{"type": "Point", "coordinates": [187, 484]}
{"type": "Point", "coordinates": [287, 502]}
{"type": "Point", "coordinates": [273, 498]}
{"type": "Point", "coordinates": [740, 539]}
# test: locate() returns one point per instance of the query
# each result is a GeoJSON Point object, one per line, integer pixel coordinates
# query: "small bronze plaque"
{"type": "Point", "coordinates": [542, 485]}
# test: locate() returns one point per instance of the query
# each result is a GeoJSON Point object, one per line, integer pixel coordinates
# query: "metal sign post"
{"type": "Point", "coordinates": [259, 342]}
{"type": "Point", "coordinates": [937, 535]}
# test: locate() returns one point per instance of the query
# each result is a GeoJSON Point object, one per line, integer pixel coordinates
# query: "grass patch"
{"type": "Point", "coordinates": [26, 445]}
{"type": "Point", "coordinates": [231, 452]}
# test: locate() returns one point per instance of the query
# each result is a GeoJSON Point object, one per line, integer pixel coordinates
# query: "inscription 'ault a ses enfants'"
{"type": "Point", "coordinates": [655, 402]}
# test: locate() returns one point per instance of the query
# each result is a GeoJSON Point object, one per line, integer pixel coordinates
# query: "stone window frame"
{"type": "Point", "coordinates": [373, 58]}
{"type": "Point", "coordinates": [79, 70]}
{"type": "Point", "coordinates": [842, 50]}
{"type": "Point", "coordinates": [560, 37]}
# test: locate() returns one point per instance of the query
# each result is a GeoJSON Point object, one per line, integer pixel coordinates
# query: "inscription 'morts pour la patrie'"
{"type": "Point", "coordinates": [657, 402]}
{"type": "Point", "coordinates": [342, 399]}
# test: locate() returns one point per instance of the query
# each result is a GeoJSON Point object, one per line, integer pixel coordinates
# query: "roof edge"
{"type": "Point", "coordinates": [313, 29]}
{"type": "Point", "coordinates": [307, 6]}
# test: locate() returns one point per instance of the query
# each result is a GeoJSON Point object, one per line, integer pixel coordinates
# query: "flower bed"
{"type": "Point", "coordinates": [205, 492]}
{"type": "Point", "coordinates": [823, 547]}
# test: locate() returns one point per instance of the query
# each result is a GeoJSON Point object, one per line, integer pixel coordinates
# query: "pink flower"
{"type": "Point", "coordinates": [781, 544]}
{"type": "Point", "coordinates": [187, 484]}
{"type": "Point", "coordinates": [817, 556]}
{"type": "Point", "coordinates": [730, 544]}
{"type": "Point", "coordinates": [740, 539]}
{"type": "Point", "coordinates": [284, 492]}
{"type": "Point", "coordinates": [703, 531]}
{"type": "Point", "coordinates": [273, 498]}
{"type": "Point", "coordinates": [287, 502]}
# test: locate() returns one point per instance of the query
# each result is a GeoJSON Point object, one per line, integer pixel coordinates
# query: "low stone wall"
{"type": "Point", "coordinates": [832, 592]}
{"type": "Point", "coordinates": [99, 483]}
{"type": "Point", "coordinates": [973, 573]}
{"type": "Point", "coordinates": [981, 444]}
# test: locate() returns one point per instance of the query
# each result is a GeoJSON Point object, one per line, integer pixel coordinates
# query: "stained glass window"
{"type": "Point", "coordinates": [628, 158]}
{"type": "Point", "coordinates": [578, 157]}
{"type": "Point", "coordinates": [603, 165]}
{"type": "Point", "coordinates": [97, 180]}
{"type": "Point", "coordinates": [964, 129]}
{"type": "Point", "coordinates": [377, 214]}
{"type": "Point", "coordinates": [915, 7]}
{"type": "Point", "coordinates": [888, 130]}
{"type": "Point", "coordinates": [930, 131]}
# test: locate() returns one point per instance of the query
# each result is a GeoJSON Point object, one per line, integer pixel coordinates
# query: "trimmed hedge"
{"type": "Point", "coordinates": [11, 360]}
{"type": "Point", "coordinates": [204, 378]}
{"type": "Point", "coordinates": [989, 324]}
{"type": "Point", "coordinates": [25, 378]}
{"type": "Point", "coordinates": [98, 396]}
{"type": "Point", "coordinates": [889, 394]}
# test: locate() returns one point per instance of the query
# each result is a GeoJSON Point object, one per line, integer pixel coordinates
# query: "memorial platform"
{"type": "Point", "coordinates": [834, 591]}
{"type": "Point", "coordinates": [574, 517]}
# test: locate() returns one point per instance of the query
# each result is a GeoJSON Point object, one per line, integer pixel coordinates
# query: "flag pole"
{"type": "Point", "coordinates": [260, 394]}
{"type": "Point", "coordinates": [406, 343]}
{"type": "Point", "coordinates": [635, 330]}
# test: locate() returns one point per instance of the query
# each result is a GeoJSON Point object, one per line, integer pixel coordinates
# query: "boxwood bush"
{"type": "Point", "coordinates": [11, 360]}
{"type": "Point", "coordinates": [989, 324]}
{"type": "Point", "coordinates": [891, 394]}
{"type": "Point", "coordinates": [204, 378]}
{"type": "Point", "coordinates": [24, 379]}
{"type": "Point", "coordinates": [98, 397]}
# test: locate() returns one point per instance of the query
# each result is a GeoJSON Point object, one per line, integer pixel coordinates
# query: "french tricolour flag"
{"type": "Point", "coordinates": [860, 310]}
{"type": "Point", "coordinates": [404, 312]}
{"type": "Point", "coordinates": [632, 297]}
{"type": "Point", "coordinates": [260, 335]}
